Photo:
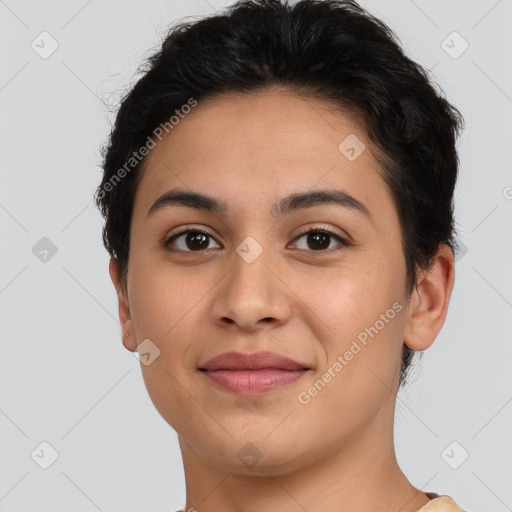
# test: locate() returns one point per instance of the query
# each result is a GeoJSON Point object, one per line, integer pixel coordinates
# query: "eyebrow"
{"type": "Point", "coordinates": [287, 205]}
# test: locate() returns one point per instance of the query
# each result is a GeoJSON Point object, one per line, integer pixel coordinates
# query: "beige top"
{"type": "Point", "coordinates": [441, 504]}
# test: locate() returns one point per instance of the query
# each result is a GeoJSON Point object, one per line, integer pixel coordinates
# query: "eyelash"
{"type": "Point", "coordinates": [342, 241]}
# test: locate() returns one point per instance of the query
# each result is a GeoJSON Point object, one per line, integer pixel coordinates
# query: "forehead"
{"type": "Point", "coordinates": [264, 144]}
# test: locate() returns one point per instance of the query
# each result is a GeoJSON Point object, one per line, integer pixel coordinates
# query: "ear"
{"type": "Point", "coordinates": [429, 301]}
{"type": "Point", "coordinates": [128, 334]}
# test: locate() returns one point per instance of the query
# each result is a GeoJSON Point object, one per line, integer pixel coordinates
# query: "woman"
{"type": "Point", "coordinates": [278, 196]}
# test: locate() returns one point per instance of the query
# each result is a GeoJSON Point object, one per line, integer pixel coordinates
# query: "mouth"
{"type": "Point", "coordinates": [252, 374]}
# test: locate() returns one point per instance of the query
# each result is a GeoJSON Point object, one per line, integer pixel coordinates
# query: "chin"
{"type": "Point", "coordinates": [254, 458]}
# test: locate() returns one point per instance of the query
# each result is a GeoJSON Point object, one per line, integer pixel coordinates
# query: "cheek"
{"type": "Point", "coordinates": [163, 299]}
{"type": "Point", "coordinates": [361, 369]}
{"type": "Point", "coordinates": [164, 308]}
{"type": "Point", "coordinates": [348, 299]}
{"type": "Point", "coordinates": [365, 320]}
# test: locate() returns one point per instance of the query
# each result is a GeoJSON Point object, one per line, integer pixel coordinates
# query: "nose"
{"type": "Point", "coordinates": [252, 296]}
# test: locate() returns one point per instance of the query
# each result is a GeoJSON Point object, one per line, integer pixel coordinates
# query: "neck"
{"type": "Point", "coordinates": [356, 475]}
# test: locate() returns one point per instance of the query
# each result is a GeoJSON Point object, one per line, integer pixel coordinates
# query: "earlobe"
{"type": "Point", "coordinates": [128, 334]}
{"type": "Point", "coordinates": [430, 301]}
{"type": "Point", "coordinates": [129, 341]}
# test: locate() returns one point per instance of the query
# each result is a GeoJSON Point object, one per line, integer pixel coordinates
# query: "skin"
{"type": "Point", "coordinates": [335, 452]}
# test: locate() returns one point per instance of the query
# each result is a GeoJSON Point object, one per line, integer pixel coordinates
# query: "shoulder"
{"type": "Point", "coordinates": [441, 504]}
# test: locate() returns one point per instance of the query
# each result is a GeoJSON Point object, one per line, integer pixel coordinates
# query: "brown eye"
{"type": "Point", "coordinates": [320, 240]}
{"type": "Point", "coordinates": [190, 241]}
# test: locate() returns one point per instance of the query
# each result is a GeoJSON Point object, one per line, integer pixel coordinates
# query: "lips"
{"type": "Point", "coordinates": [252, 374]}
{"type": "Point", "coordinates": [254, 361]}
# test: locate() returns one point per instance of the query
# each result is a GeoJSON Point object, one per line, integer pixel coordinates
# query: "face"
{"type": "Point", "coordinates": [203, 282]}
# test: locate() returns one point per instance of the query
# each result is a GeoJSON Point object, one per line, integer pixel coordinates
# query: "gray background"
{"type": "Point", "coordinates": [66, 379]}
